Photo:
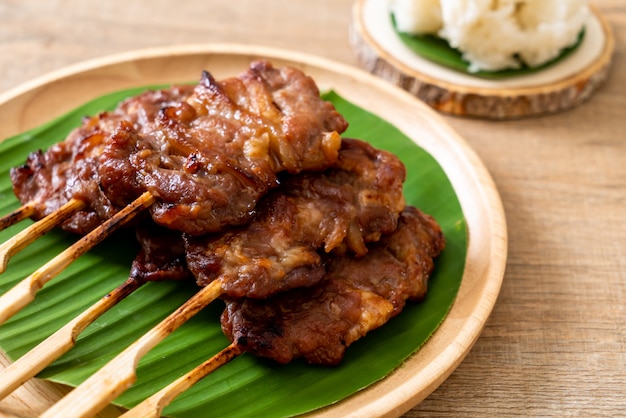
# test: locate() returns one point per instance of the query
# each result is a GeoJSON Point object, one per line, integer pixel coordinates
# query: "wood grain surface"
{"type": "Point", "coordinates": [555, 344]}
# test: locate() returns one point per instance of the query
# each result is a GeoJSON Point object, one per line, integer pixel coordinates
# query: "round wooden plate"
{"type": "Point", "coordinates": [558, 87]}
{"type": "Point", "coordinates": [41, 100]}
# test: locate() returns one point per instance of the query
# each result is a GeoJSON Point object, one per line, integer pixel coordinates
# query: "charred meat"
{"type": "Point", "coordinates": [207, 153]}
{"type": "Point", "coordinates": [209, 159]}
{"type": "Point", "coordinates": [69, 169]}
{"type": "Point", "coordinates": [356, 296]}
{"type": "Point", "coordinates": [355, 201]}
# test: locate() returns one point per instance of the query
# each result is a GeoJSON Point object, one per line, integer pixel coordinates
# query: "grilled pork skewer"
{"type": "Point", "coordinates": [68, 170]}
{"type": "Point", "coordinates": [345, 206]}
{"type": "Point", "coordinates": [206, 153]}
{"type": "Point", "coordinates": [210, 158]}
{"type": "Point", "coordinates": [60, 187]}
{"type": "Point", "coordinates": [131, 164]}
{"type": "Point", "coordinates": [341, 209]}
{"type": "Point", "coordinates": [307, 212]}
{"type": "Point", "coordinates": [319, 323]}
{"type": "Point", "coordinates": [200, 164]}
{"type": "Point", "coordinates": [356, 296]}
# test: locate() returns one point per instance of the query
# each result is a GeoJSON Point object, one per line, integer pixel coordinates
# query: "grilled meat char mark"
{"type": "Point", "coordinates": [340, 209]}
{"type": "Point", "coordinates": [360, 197]}
{"type": "Point", "coordinates": [209, 159]}
{"type": "Point", "coordinates": [357, 295]}
{"type": "Point", "coordinates": [207, 152]}
{"type": "Point", "coordinates": [68, 169]}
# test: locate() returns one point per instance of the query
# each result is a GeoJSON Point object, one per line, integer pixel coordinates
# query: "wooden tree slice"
{"type": "Point", "coordinates": [561, 86]}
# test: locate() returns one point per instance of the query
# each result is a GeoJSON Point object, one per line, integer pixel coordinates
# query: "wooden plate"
{"type": "Point", "coordinates": [558, 87]}
{"type": "Point", "coordinates": [41, 100]}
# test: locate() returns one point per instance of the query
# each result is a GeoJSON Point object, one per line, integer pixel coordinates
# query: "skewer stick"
{"type": "Point", "coordinates": [24, 292]}
{"type": "Point", "coordinates": [154, 405]}
{"type": "Point", "coordinates": [17, 215]}
{"type": "Point", "coordinates": [30, 234]}
{"type": "Point", "coordinates": [61, 341]}
{"type": "Point", "coordinates": [118, 374]}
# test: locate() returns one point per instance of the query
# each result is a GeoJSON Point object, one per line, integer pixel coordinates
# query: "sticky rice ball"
{"type": "Point", "coordinates": [550, 27]}
{"type": "Point", "coordinates": [497, 34]}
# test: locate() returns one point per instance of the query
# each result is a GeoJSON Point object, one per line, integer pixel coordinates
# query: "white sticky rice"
{"type": "Point", "coordinates": [497, 34]}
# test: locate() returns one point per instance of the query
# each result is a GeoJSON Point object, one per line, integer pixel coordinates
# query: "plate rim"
{"type": "Point", "coordinates": [408, 388]}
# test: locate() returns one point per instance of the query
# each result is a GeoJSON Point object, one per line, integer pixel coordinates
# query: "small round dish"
{"type": "Point", "coordinates": [561, 86]}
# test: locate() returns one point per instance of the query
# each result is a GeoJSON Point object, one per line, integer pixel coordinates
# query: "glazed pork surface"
{"type": "Point", "coordinates": [340, 209]}
{"type": "Point", "coordinates": [207, 153]}
{"type": "Point", "coordinates": [209, 159]}
{"type": "Point", "coordinates": [254, 186]}
{"type": "Point", "coordinates": [69, 169]}
{"type": "Point", "coordinates": [357, 295]}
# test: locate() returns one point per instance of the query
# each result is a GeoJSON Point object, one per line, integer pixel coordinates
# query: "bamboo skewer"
{"type": "Point", "coordinates": [17, 215]}
{"type": "Point", "coordinates": [61, 341]}
{"type": "Point", "coordinates": [36, 230]}
{"type": "Point", "coordinates": [118, 374]}
{"type": "Point", "coordinates": [153, 406]}
{"type": "Point", "coordinates": [24, 292]}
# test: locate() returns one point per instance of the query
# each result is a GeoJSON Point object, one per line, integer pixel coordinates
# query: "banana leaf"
{"type": "Point", "coordinates": [247, 386]}
{"type": "Point", "coordinates": [438, 50]}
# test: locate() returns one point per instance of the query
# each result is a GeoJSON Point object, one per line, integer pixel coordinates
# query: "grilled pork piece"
{"type": "Point", "coordinates": [356, 296]}
{"type": "Point", "coordinates": [209, 159]}
{"type": "Point", "coordinates": [353, 202]}
{"type": "Point", "coordinates": [207, 153]}
{"type": "Point", "coordinates": [68, 169]}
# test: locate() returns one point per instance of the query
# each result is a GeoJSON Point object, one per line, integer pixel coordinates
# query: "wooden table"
{"type": "Point", "coordinates": [556, 341]}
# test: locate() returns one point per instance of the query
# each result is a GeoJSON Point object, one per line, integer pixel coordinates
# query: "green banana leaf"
{"type": "Point", "coordinates": [247, 386]}
{"type": "Point", "coordinates": [438, 50]}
